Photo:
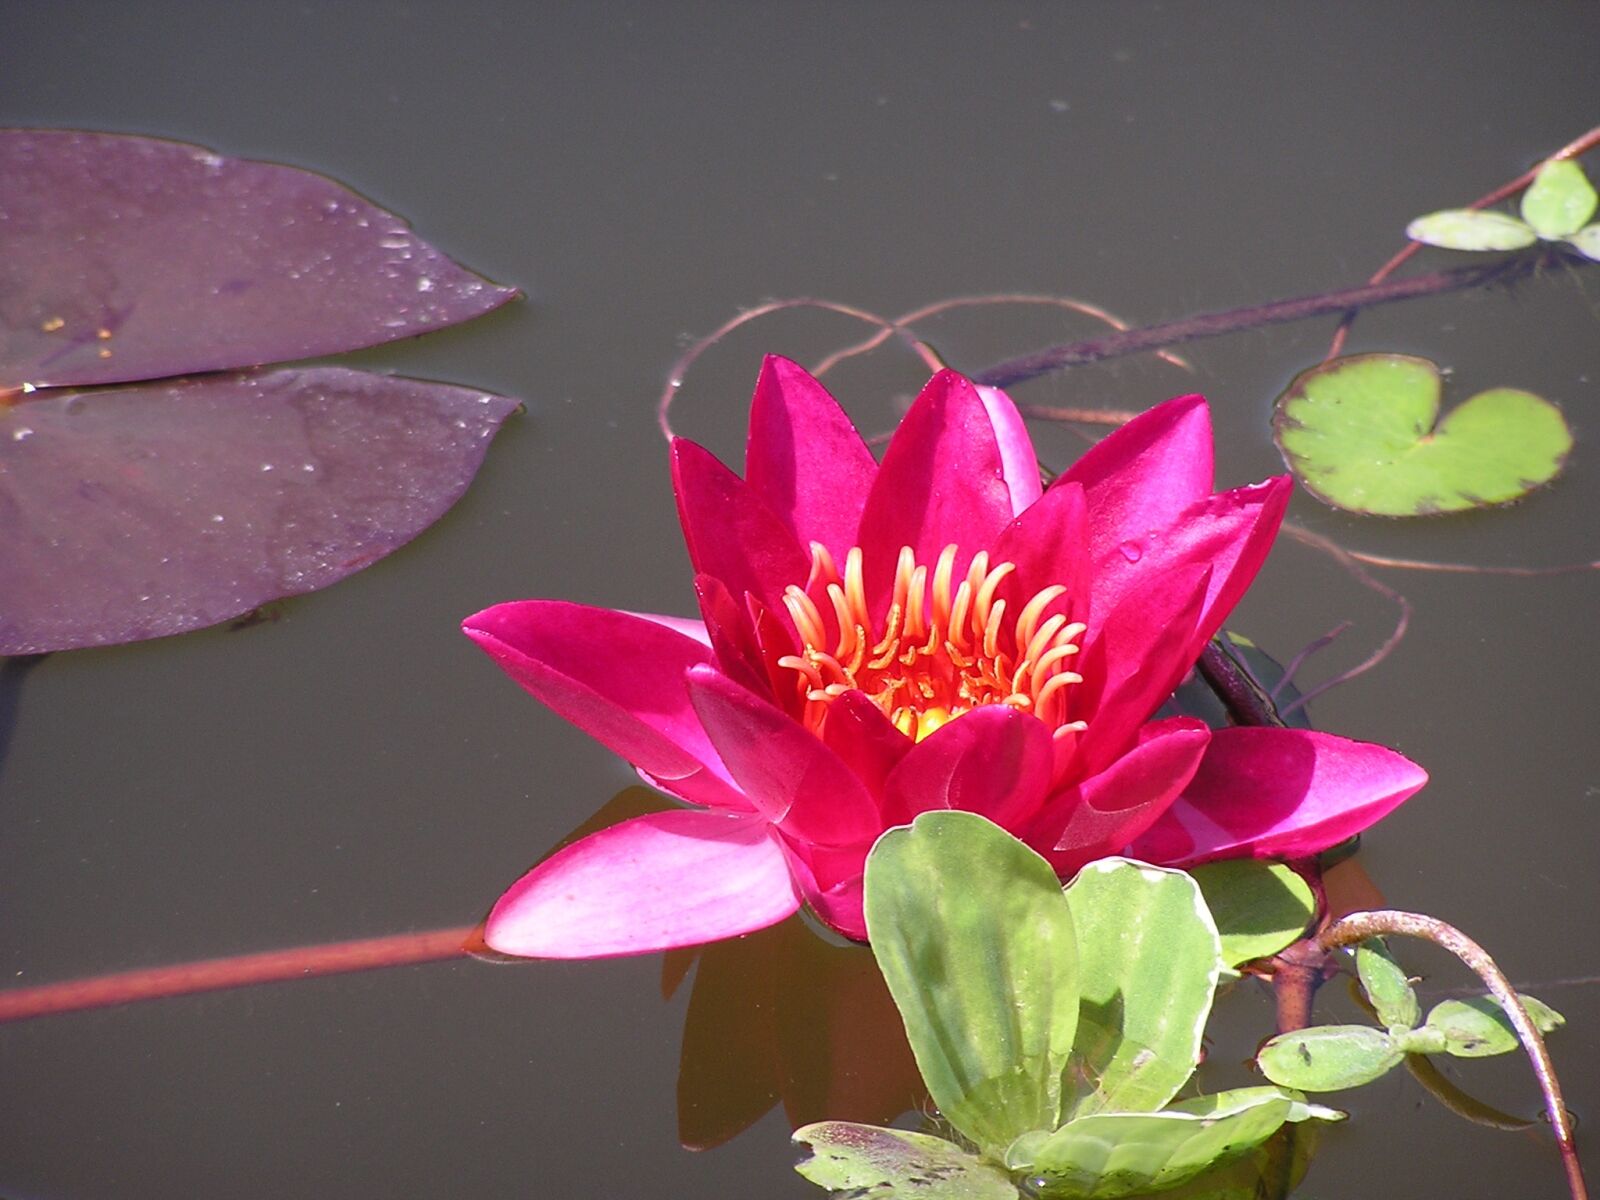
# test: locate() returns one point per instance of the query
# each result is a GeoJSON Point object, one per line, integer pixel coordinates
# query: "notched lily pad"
{"type": "Point", "coordinates": [871, 1163]}
{"type": "Point", "coordinates": [132, 258]}
{"type": "Point", "coordinates": [1362, 433]}
{"type": "Point", "coordinates": [143, 511]}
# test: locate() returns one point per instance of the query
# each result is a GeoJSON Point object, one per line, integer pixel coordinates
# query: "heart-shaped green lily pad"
{"type": "Point", "coordinates": [1360, 433]}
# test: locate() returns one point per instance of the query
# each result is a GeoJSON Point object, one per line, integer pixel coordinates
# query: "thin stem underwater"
{"type": "Point", "coordinates": [216, 974]}
{"type": "Point", "coordinates": [1358, 927]}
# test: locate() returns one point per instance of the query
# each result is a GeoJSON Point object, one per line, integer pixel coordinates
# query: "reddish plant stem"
{"type": "Point", "coordinates": [1358, 927]}
{"type": "Point", "coordinates": [1572, 149]}
{"type": "Point", "coordinates": [215, 974]}
{"type": "Point", "coordinates": [1236, 320]}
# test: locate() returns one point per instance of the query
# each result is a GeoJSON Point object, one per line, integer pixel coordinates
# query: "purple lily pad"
{"type": "Point", "coordinates": [142, 511]}
{"type": "Point", "coordinates": [129, 258]}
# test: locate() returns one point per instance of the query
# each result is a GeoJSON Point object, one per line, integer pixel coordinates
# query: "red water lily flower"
{"type": "Point", "coordinates": [935, 631]}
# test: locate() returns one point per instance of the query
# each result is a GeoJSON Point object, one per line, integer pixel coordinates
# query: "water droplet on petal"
{"type": "Point", "coordinates": [1132, 551]}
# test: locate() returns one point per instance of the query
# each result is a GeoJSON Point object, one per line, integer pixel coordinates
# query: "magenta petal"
{"type": "Point", "coordinates": [831, 879]}
{"type": "Point", "coordinates": [994, 761]}
{"type": "Point", "coordinates": [730, 532]}
{"type": "Point", "coordinates": [786, 772]}
{"type": "Point", "coordinates": [1231, 532]}
{"type": "Point", "coordinates": [1142, 476]}
{"type": "Point", "coordinates": [656, 882]}
{"type": "Point", "coordinates": [858, 732]}
{"type": "Point", "coordinates": [1105, 812]}
{"type": "Point", "coordinates": [1017, 457]}
{"type": "Point", "coordinates": [1141, 654]}
{"type": "Point", "coordinates": [732, 635]}
{"type": "Point", "coordinates": [1279, 793]}
{"type": "Point", "coordinates": [1049, 545]}
{"type": "Point", "coordinates": [942, 482]}
{"type": "Point", "coordinates": [805, 458]}
{"type": "Point", "coordinates": [689, 627]}
{"type": "Point", "coordinates": [616, 676]}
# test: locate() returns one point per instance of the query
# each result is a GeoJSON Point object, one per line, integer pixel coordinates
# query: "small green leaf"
{"type": "Point", "coordinates": [1115, 1154]}
{"type": "Point", "coordinates": [872, 1163]}
{"type": "Point", "coordinates": [1259, 907]}
{"type": "Point", "coordinates": [1559, 200]}
{"type": "Point", "coordinates": [1468, 229]}
{"type": "Point", "coordinates": [1386, 985]}
{"type": "Point", "coordinates": [975, 940]}
{"type": "Point", "coordinates": [1479, 1027]}
{"type": "Point", "coordinates": [1423, 1040]}
{"type": "Point", "coordinates": [1149, 957]}
{"type": "Point", "coordinates": [1360, 434]}
{"type": "Point", "coordinates": [1587, 240]}
{"type": "Point", "coordinates": [1326, 1058]}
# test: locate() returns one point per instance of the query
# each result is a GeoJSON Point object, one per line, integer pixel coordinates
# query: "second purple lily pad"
{"type": "Point", "coordinates": [137, 512]}
{"type": "Point", "coordinates": [126, 258]}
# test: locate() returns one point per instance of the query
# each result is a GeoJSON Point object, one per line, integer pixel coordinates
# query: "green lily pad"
{"type": "Point", "coordinates": [1386, 985]}
{"type": "Point", "coordinates": [1559, 200]}
{"type": "Point", "coordinates": [1259, 907]}
{"type": "Point", "coordinates": [871, 1163]}
{"type": "Point", "coordinates": [975, 940]}
{"type": "Point", "coordinates": [1326, 1058]}
{"type": "Point", "coordinates": [1479, 1027]}
{"type": "Point", "coordinates": [1469, 229]}
{"type": "Point", "coordinates": [1149, 957]}
{"type": "Point", "coordinates": [1359, 433]}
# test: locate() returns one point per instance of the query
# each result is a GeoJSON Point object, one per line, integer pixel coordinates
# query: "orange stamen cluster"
{"type": "Point", "coordinates": [946, 648]}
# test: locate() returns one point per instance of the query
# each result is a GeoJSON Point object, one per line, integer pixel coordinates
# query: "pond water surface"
{"type": "Point", "coordinates": [355, 768]}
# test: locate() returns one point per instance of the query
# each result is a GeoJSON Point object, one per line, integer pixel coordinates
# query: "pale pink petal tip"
{"type": "Point", "coordinates": [657, 882]}
{"type": "Point", "coordinates": [1017, 458]}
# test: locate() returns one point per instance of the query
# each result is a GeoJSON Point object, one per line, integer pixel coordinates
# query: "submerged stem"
{"type": "Point", "coordinates": [215, 974]}
{"type": "Point", "coordinates": [1358, 927]}
{"type": "Point", "coordinates": [1236, 320]}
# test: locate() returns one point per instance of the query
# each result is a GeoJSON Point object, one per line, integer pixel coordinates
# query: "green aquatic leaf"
{"type": "Point", "coordinates": [1468, 229]}
{"type": "Point", "coordinates": [1360, 433]}
{"type": "Point", "coordinates": [1587, 241]}
{"type": "Point", "coordinates": [872, 1163]}
{"type": "Point", "coordinates": [975, 940]}
{"type": "Point", "coordinates": [1559, 200]}
{"type": "Point", "coordinates": [1113, 1154]}
{"type": "Point", "coordinates": [1386, 985]}
{"type": "Point", "coordinates": [1479, 1027]}
{"type": "Point", "coordinates": [1259, 907]}
{"type": "Point", "coordinates": [1149, 958]}
{"type": "Point", "coordinates": [1326, 1058]}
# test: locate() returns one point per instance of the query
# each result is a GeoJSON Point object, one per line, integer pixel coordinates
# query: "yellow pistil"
{"type": "Point", "coordinates": [945, 647]}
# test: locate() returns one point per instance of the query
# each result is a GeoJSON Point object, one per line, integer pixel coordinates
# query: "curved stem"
{"type": "Point", "coordinates": [1236, 320]}
{"type": "Point", "coordinates": [214, 974]}
{"type": "Point", "coordinates": [1358, 927]}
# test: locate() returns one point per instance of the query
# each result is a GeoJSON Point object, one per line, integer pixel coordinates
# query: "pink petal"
{"type": "Point", "coordinates": [730, 532]}
{"type": "Point", "coordinates": [1140, 655]}
{"type": "Point", "coordinates": [1141, 477]}
{"type": "Point", "coordinates": [831, 879]}
{"type": "Point", "coordinates": [619, 678]}
{"type": "Point", "coordinates": [1231, 531]}
{"type": "Point", "coordinates": [654, 883]}
{"type": "Point", "coordinates": [1279, 793]}
{"type": "Point", "coordinates": [732, 635]}
{"type": "Point", "coordinates": [858, 732]}
{"type": "Point", "coordinates": [1048, 543]}
{"type": "Point", "coordinates": [941, 482]}
{"type": "Point", "coordinates": [1105, 812]}
{"type": "Point", "coordinates": [690, 627]}
{"type": "Point", "coordinates": [805, 458]}
{"type": "Point", "coordinates": [1017, 457]}
{"type": "Point", "coordinates": [783, 768]}
{"type": "Point", "coordinates": [994, 761]}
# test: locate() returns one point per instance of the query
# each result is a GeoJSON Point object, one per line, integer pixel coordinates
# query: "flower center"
{"type": "Point", "coordinates": [945, 649]}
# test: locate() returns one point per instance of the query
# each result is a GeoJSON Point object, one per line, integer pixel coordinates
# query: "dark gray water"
{"type": "Point", "coordinates": [643, 171]}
